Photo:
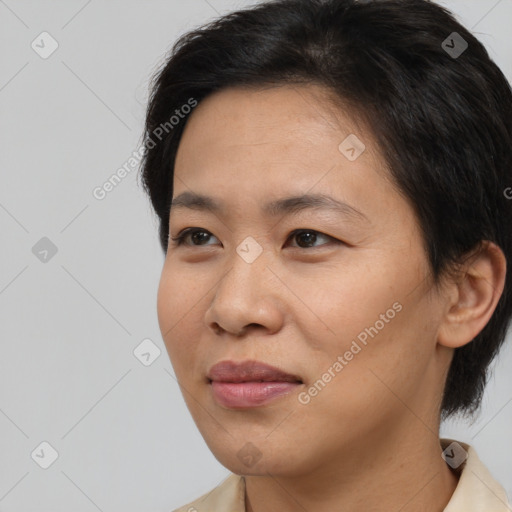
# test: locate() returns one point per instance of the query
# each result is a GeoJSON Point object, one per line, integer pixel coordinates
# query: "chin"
{"type": "Point", "coordinates": [260, 468]}
{"type": "Point", "coordinates": [251, 460]}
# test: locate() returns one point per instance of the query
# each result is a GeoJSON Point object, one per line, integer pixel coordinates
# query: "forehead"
{"type": "Point", "coordinates": [272, 127]}
{"type": "Point", "coordinates": [276, 141]}
{"type": "Point", "coordinates": [252, 115]}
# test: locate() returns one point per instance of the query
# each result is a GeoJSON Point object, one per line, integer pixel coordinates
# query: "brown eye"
{"type": "Point", "coordinates": [197, 235]}
{"type": "Point", "coordinates": [308, 237]}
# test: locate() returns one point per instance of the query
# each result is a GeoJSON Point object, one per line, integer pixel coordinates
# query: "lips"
{"type": "Point", "coordinates": [249, 371]}
{"type": "Point", "coordinates": [249, 384]}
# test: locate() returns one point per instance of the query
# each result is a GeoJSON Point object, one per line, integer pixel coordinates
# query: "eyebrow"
{"type": "Point", "coordinates": [285, 206]}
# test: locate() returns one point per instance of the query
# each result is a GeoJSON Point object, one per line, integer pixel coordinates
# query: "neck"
{"type": "Point", "coordinates": [405, 472]}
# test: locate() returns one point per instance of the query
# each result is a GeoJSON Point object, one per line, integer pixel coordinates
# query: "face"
{"type": "Point", "coordinates": [345, 304]}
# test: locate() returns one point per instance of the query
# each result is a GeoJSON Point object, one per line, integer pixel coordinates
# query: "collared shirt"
{"type": "Point", "coordinates": [476, 491]}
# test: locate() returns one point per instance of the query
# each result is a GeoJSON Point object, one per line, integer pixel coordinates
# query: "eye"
{"type": "Point", "coordinates": [308, 236]}
{"type": "Point", "coordinates": [180, 238]}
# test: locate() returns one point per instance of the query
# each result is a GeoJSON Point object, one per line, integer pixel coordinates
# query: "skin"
{"type": "Point", "coordinates": [369, 439]}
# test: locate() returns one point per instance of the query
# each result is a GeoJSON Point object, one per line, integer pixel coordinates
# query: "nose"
{"type": "Point", "coordinates": [247, 296]}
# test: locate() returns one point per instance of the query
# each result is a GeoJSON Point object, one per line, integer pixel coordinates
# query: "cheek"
{"type": "Point", "coordinates": [177, 296]}
{"type": "Point", "coordinates": [174, 308]}
{"type": "Point", "coordinates": [342, 305]}
{"type": "Point", "coordinates": [373, 322]}
{"type": "Point", "coordinates": [166, 302]}
{"type": "Point", "coordinates": [390, 368]}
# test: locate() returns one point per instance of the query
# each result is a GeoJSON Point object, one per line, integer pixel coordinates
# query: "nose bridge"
{"type": "Point", "coordinates": [243, 295]}
{"type": "Point", "coordinates": [248, 274]}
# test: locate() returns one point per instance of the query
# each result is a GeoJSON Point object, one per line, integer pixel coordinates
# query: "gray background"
{"type": "Point", "coordinates": [69, 325]}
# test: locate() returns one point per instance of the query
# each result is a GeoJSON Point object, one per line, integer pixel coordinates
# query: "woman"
{"type": "Point", "coordinates": [330, 179]}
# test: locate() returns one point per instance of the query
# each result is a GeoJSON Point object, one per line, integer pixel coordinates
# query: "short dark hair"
{"type": "Point", "coordinates": [442, 121]}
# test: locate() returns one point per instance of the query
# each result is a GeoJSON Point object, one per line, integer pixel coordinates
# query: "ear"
{"type": "Point", "coordinates": [472, 298]}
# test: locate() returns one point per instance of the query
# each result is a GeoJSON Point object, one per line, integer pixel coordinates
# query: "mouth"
{"type": "Point", "coordinates": [249, 383]}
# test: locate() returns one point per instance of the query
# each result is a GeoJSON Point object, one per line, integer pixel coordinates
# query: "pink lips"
{"type": "Point", "coordinates": [249, 384]}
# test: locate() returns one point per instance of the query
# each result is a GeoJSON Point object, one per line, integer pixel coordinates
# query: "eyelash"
{"type": "Point", "coordinates": [180, 238]}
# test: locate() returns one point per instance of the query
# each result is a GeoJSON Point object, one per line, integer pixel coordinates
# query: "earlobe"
{"type": "Point", "coordinates": [475, 296]}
